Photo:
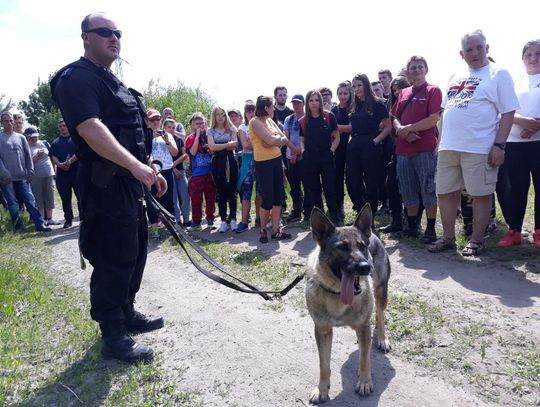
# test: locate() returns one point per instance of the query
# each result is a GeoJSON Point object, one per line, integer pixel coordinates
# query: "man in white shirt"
{"type": "Point", "coordinates": [479, 107]}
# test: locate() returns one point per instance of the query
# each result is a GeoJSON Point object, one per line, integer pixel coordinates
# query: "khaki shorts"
{"type": "Point", "coordinates": [457, 170]}
{"type": "Point", "coordinates": [43, 190]}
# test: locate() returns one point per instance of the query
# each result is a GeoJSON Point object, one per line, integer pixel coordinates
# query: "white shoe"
{"type": "Point", "coordinates": [223, 227]}
{"type": "Point", "coordinates": [234, 225]}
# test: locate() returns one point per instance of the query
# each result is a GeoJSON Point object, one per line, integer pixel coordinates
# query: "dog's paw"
{"type": "Point", "coordinates": [384, 345]}
{"type": "Point", "coordinates": [318, 397]}
{"type": "Point", "coordinates": [364, 387]}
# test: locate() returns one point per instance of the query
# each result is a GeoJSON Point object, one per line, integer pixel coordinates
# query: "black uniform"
{"type": "Point", "coordinates": [113, 231]}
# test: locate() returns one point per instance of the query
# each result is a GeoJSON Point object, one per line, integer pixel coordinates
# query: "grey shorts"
{"type": "Point", "coordinates": [416, 175]}
{"type": "Point", "coordinates": [43, 190]}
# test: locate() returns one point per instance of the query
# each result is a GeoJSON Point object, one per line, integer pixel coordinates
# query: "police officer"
{"type": "Point", "coordinates": [106, 123]}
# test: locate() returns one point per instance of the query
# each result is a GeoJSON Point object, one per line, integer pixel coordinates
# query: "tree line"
{"type": "Point", "coordinates": [41, 111]}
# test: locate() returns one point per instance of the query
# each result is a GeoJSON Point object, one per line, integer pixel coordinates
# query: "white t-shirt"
{"type": "Point", "coordinates": [528, 93]}
{"type": "Point", "coordinates": [160, 152]}
{"type": "Point", "coordinates": [473, 103]}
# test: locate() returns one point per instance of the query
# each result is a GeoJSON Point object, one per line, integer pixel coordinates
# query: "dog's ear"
{"type": "Point", "coordinates": [363, 220]}
{"type": "Point", "coordinates": [321, 226]}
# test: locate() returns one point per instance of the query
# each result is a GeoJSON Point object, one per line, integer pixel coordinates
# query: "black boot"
{"type": "Point", "coordinates": [116, 344]}
{"type": "Point", "coordinates": [395, 226]}
{"type": "Point", "coordinates": [139, 323]}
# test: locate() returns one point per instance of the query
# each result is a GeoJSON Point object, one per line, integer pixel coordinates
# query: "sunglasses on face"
{"type": "Point", "coordinates": [220, 114]}
{"type": "Point", "coordinates": [105, 32]}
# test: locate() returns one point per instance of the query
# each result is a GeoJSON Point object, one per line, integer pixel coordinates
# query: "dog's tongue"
{"type": "Point", "coordinates": [347, 288]}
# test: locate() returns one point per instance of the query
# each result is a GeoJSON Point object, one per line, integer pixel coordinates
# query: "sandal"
{"type": "Point", "coordinates": [442, 244]}
{"type": "Point", "coordinates": [473, 248]}
{"type": "Point", "coordinates": [280, 235]}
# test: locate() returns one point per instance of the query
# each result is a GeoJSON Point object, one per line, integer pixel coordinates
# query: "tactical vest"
{"type": "Point", "coordinates": [121, 111]}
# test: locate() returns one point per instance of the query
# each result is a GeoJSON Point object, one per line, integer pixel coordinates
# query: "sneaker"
{"type": "Point", "coordinates": [410, 233]}
{"type": "Point", "coordinates": [293, 217]}
{"type": "Point", "coordinates": [264, 236]}
{"type": "Point", "coordinates": [234, 225]}
{"type": "Point", "coordinates": [280, 235]}
{"type": "Point", "coordinates": [210, 224]}
{"type": "Point", "coordinates": [52, 222]}
{"type": "Point", "coordinates": [223, 227]}
{"type": "Point", "coordinates": [67, 224]}
{"type": "Point", "coordinates": [536, 238]}
{"type": "Point", "coordinates": [195, 227]}
{"type": "Point", "coordinates": [242, 227]}
{"type": "Point", "coordinates": [511, 238]}
{"type": "Point", "coordinates": [257, 222]}
{"type": "Point", "coordinates": [43, 228]}
{"type": "Point", "coordinates": [187, 224]}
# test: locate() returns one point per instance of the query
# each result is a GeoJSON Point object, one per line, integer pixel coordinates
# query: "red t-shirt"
{"type": "Point", "coordinates": [426, 102]}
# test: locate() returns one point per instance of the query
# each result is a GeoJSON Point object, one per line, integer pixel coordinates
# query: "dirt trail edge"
{"type": "Point", "coordinates": [235, 350]}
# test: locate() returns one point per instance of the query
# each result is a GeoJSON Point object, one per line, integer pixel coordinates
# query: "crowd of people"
{"type": "Point", "coordinates": [399, 144]}
{"type": "Point", "coordinates": [383, 142]}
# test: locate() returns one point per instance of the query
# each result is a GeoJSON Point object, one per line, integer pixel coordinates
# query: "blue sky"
{"type": "Point", "coordinates": [239, 49]}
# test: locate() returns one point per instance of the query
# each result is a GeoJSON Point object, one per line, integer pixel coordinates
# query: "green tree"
{"type": "Point", "coordinates": [183, 99]}
{"type": "Point", "coordinates": [40, 110]}
{"type": "Point", "coordinates": [5, 103]}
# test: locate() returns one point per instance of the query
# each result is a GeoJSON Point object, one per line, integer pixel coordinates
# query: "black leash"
{"type": "Point", "coordinates": [181, 236]}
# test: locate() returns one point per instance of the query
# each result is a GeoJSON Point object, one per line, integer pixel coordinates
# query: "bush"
{"type": "Point", "coordinates": [181, 98]}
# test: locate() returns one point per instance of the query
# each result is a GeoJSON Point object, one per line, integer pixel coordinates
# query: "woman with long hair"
{"type": "Point", "coordinates": [342, 111]}
{"type": "Point", "coordinates": [364, 151]}
{"type": "Point", "coordinates": [247, 169]}
{"type": "Point", "coordinates": [267, 140]}
{"type": "Point", "coordinates": [319, 139]}
{"type": "Point", "coordinates": [522, 159]}
{"type": "Point", "coordinates": [222, 141]}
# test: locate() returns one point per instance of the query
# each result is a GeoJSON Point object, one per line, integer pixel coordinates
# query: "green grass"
{"type": "Point", "coordinates": [50, 348]}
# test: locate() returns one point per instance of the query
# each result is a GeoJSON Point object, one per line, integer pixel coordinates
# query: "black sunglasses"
{"type": "Point", "coordinates": [105, 32]}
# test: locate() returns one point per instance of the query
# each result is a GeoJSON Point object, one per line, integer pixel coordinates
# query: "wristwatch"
{"type": "Point", "coordinates": [502, 146]}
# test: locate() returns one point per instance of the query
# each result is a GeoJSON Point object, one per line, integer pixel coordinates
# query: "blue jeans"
{"type": "Point", "coordinates": [21, 188]}
{"type": "Point", "coordinates": [182, 204]}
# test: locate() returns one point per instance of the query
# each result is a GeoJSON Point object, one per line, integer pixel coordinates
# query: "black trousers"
{"type": "Point", "coordinates": [66, 182]}
{"type": "Point", "coordinates": [362, 172]}
{"type": "Point", "coordinates": [226, 189]}
{"type": "Point", "coordinates": [340, 158]}
{"type": "Point", "coordinates": [299, 193]}
{"type": "Point", "coordinates": [113, 237]}
{"type": "Point", "coordinates": [388, 152]}
{"type": "Point", "coordinates": [395, 203]}
{"type": "Point", "coordinates": [319, 177]}
{"type": "Point", "coordinates": [522, 160]}
{"type": "Point", "coordinates": [166, 200]}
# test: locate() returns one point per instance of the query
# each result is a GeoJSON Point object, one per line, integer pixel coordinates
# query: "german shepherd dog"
{"type": "Point", "coordinates": [339, 293]}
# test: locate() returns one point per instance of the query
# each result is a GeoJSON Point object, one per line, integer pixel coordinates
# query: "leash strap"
{"type": "Point", "coordinates": [181, 236]}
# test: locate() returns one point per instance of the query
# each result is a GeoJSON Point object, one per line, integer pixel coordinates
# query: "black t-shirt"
{"type": "Point", "coordinates": [63, 148]}
{"type": "Point", "coordinates": [280, 115]}
{"type": "Point", "coordinates": [180, 145]}
{"type": "Point", "coordinates": [367, 123]}
{"type": "Point", "coordinates": [317, 133]}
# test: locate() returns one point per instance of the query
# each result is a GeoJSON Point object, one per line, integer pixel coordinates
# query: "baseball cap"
{"type": "Point", "coordinates": [31, 131]}
{"type": "Point", "coordinates": [150, 113]}
{"type": "Point", "coordinates": [298, 98]}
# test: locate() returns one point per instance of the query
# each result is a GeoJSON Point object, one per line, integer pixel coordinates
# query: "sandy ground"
{"type": "Point", "coordinates": [234, 349]}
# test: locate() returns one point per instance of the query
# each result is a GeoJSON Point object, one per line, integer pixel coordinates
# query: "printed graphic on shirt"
{"type": "Point", "coordinates": [461, 91]}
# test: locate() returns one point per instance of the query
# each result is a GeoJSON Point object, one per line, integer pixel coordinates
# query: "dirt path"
{"type": "Point", "coordinates": [237, 350]}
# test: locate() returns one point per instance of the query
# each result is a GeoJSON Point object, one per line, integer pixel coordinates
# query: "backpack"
{"type": "Point", "coordinates": [326, 117]}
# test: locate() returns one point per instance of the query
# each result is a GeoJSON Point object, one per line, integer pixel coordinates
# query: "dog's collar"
{"type": "Point", "coordinates": [336, 292]}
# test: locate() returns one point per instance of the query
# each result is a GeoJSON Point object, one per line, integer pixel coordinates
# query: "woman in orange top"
{"type": "Point", "coordinates": [267, 140]}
